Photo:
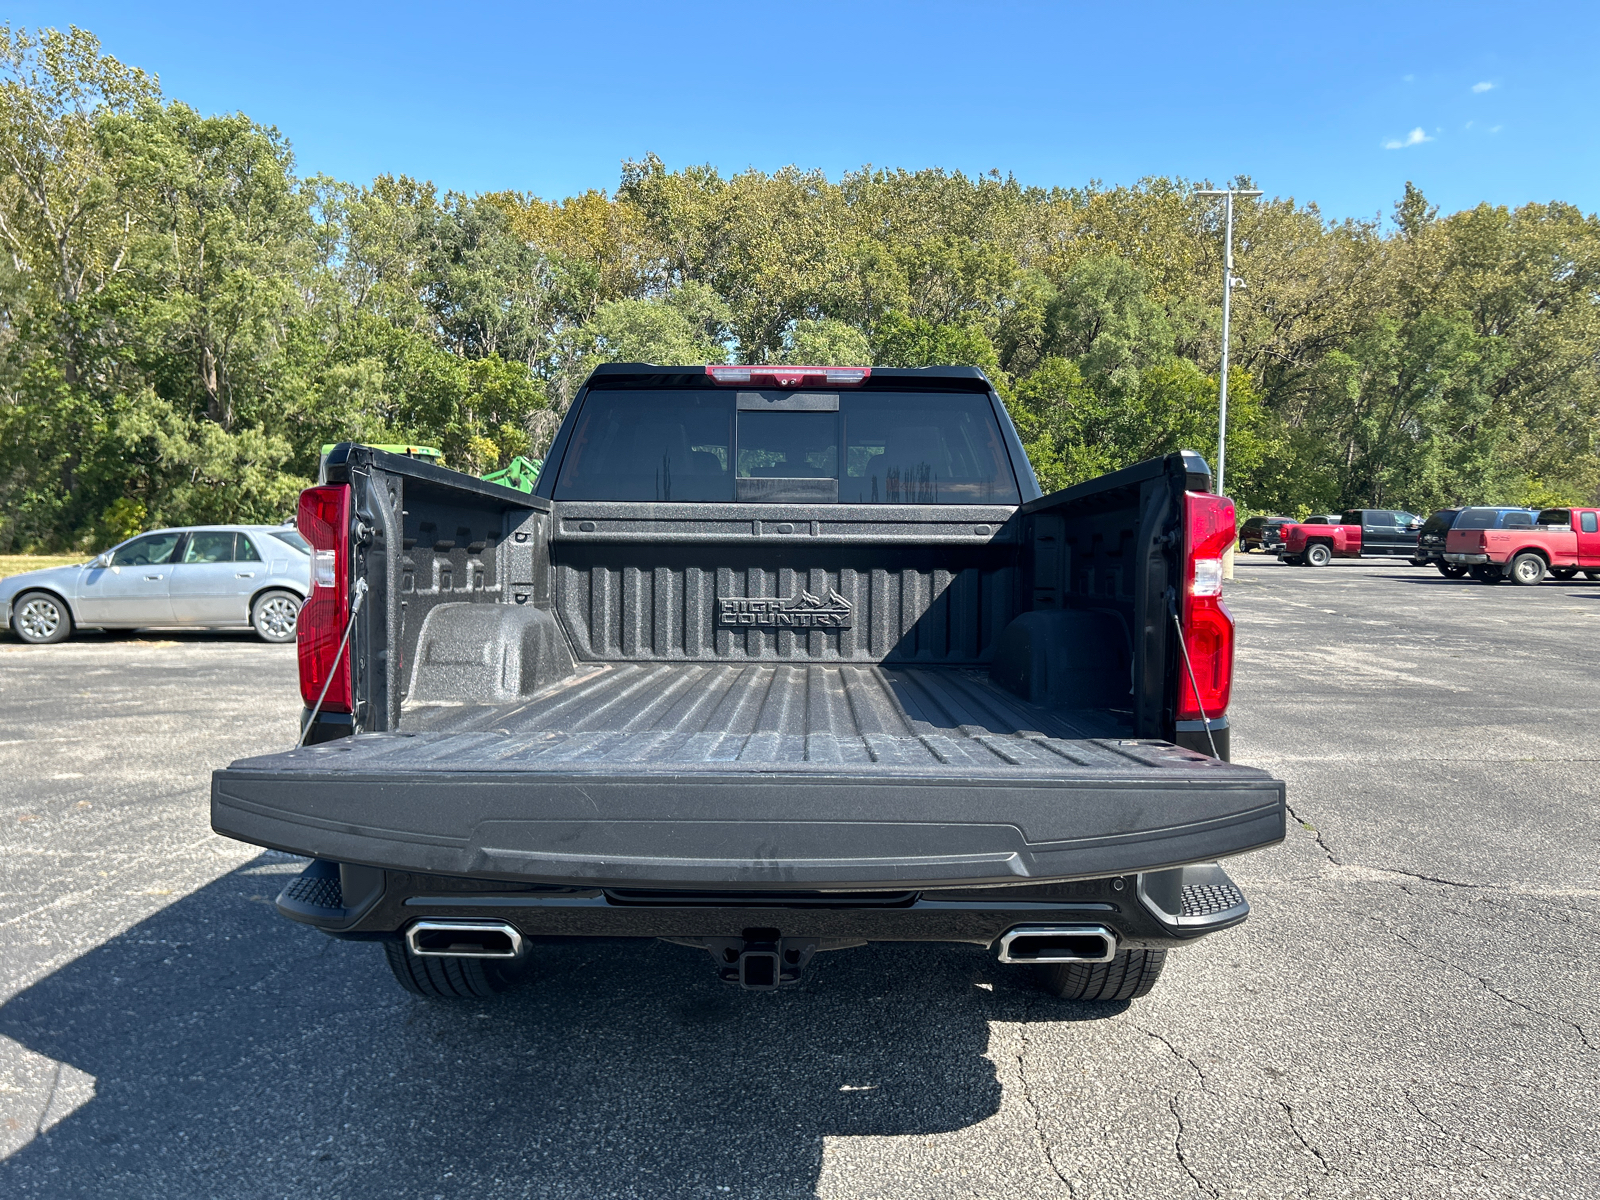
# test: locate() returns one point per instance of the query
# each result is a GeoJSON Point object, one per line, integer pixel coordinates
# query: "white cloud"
{"type": "Point", "coordinates": [1482, 87]}
{"type": "Point", "coordinates": [1415, 138]}
{"type": "Point", "coordinates": [1407, 78]}
{"type": "Point", "coordinates": [1496, 128]}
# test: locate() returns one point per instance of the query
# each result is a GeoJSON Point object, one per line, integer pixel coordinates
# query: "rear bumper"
{"type": "Point", "coordinates": [1148, 910]}
{"type": "Point", "coordinates": [1467, 559]}
{"type": "Point", "coordinates": [755, 831]}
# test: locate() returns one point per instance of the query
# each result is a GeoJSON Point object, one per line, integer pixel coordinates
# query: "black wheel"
{"type": "Point", "coordinates": [1527, 570]}
{"type": "Point", "coordinates": [274, 614]}
{"type": "Point", "coordinates": [1294, 560]}
{"type": "Point", "coordinates": [1485, 574]}
{"type": "Point", "coordinates": [40, 618]}
{"type": "Point", "coordinates": [1128, 976]}
{"type": "Point", "coordinates": [1563, 572]}
{"type": "Point", "coordinates": [452, 978]}
{"type": "Point", "coordinates": [1451, 570]}
{"type": "Point", "coordinates": [1319, 554]}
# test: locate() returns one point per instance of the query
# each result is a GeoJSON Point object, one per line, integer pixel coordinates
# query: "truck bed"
{"type": "Point", "coordinates": [742, 775]}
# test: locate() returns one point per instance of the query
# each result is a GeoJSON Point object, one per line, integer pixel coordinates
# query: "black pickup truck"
{"type": "Point", "coordinates": [773, 661]}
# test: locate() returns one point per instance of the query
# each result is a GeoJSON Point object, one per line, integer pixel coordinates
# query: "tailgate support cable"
{"type": "Point", "coordinates": [1183, 646]}
{"type": "Point", "coordinates": [355, 607]}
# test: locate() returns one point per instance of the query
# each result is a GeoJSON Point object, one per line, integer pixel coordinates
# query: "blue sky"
{"type": "Point", "coordinates": [1336, 103]}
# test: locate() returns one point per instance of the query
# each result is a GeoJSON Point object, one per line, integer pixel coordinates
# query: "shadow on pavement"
{"type": "Point", "coordinates": [235, 1053]}
{"type": "Point", "coordinates": [187, 637]}
{"type": "Point", "coordinates": [111, 637]}
{"type": "Point", "coordinates": [1441, 581]}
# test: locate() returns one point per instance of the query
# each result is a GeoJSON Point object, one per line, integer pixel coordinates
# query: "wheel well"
{"type": "Point", "coordinates": [1536, 550]}
{"type": "Point", "coordinates": [1321, 541]}
{"type": "Point", "coordinates": [54, 595]}
{"type": "Point", "coordinates": [272, 587]}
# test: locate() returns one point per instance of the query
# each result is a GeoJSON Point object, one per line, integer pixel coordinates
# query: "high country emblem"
{"type": "Point", "coordinates": [804, 611]}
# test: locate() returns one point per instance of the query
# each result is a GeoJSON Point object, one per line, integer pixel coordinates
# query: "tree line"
{"type": "Point", "coordinates": [184, 320]}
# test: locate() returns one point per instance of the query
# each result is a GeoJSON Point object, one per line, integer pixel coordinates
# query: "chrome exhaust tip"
{"type": "Point", "coordinates": [464, 939]}
{"type": "Point", "coordinates": [1058, 944]}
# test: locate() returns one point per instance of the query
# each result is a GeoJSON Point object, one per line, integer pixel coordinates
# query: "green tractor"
{"type": "Point", "coordinates": [519, 474]}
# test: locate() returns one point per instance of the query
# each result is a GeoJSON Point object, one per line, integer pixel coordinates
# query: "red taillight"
{"type": "Point", "coordinates": [324, 521]}
{"type": "Point", "coordinates": [1210, 524]}
{"type": "Point", "coordinates": [771, 376]}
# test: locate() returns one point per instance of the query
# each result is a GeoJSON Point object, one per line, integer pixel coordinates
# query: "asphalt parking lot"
{"type": "Point", "coordinates": [1412, 1010]}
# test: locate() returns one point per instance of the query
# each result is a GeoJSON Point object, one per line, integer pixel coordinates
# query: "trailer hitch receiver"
{"type": "Point", "coordinates": [762, 960]}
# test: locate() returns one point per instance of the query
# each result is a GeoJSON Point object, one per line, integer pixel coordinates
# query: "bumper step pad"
{"type": "Point", "coordinates": [320, 891]}
{"type": "Point", "coordinates": [331, 895]}
{"type": "Point", "coordinates": [1193, 897]}
{"type": "Point", "coordinates": [1210, 899]}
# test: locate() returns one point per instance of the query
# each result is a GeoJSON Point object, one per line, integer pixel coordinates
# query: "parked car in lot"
{"type": "Point", "coordinates": [1360, 533]}
{"type": "Point", "coordinates": [209, 576]}
{"type": "Point", "coordinates": [701, 684]}
{"type": "Point", "coordinates": [1262, 533]}
{"type": "Point", "coordinates": [1321, 519]}
{"type": "Point", "coordinates": [1430, 543]}
{"type": "Point", "coordinates": [1561, 542]}
{"type": "Point", "coordinates": [1433, 540]}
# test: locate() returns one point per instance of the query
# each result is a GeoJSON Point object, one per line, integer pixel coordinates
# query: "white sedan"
{"type": "Point", "coordinates": [206, 576]}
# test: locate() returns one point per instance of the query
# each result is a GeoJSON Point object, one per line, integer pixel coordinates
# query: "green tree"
{"type": "Point", "coordinates": [827, 342]}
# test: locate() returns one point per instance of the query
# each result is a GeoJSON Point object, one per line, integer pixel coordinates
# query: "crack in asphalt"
{"type": "Point", "coordinates": [1455, 883]}
{"type": "Point", "coordinates": [1288, 1112]}
{"type": "Point", "coordinates": [1033, 1108]}
{"type": "Point", "coordinates": [49, 1100]}
{"type": "Point", "coordinates": [1177, 1148]}
{"type": "Point", "coordinates": [1412, 1100]}
{"type": "Point", "coordinates": [1172, 1103]}
{"type": "Point", "coordinates": [1583, 1034]}
{"type": "Point", "coordinates": [1179, 1055]}
{"type": "Point", "coordinates": [1315, 832]}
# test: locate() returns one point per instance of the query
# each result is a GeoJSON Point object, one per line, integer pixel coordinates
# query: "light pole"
{"type": "Point", "coordinates": [1228, 284]}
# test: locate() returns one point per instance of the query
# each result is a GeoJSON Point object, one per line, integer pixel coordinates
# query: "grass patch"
{"type": "Point", "coordinates": [15, 564]}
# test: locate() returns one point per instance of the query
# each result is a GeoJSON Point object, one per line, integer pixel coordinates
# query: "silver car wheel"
{"type": "Point", "coordinates": [39, 619]}
{"type": "Point", "coordinates": [275, 617]}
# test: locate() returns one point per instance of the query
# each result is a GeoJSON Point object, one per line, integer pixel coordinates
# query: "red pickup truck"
{"type": "Point", "coordinates": [1561, 543]}
{"type": "Point", "coordinates": [1361, 533]}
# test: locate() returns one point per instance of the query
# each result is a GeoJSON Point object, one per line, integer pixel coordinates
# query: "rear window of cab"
{"type": "Point", "coordinates": [715, 445]}
{"type": "Point", "coordinates": [1496, 518]}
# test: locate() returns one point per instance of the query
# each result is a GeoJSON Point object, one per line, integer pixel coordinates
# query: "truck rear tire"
{"type": "Point", "coordinates": [1128, 976]}
{"type": "Point", "coordinates": [1527, 570]}
{"type": "Point", "coordinates": [451, 978]}
{"type": "Point", "coordinates": [1318, 554]}
{"type": "Point", "coordinates": [1451, 570]}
